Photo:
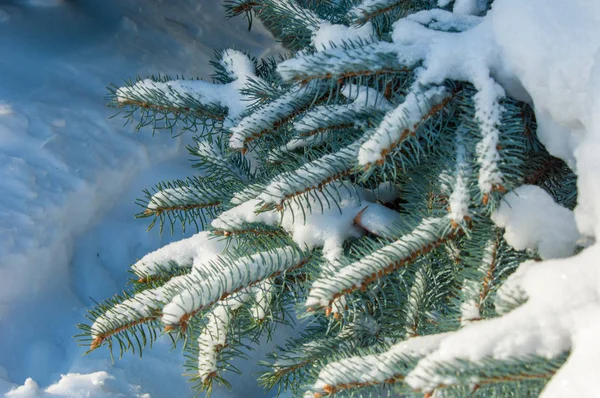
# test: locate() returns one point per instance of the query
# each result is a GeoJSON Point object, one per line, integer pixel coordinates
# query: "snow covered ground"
{"type": "Point", "coordinates": [69, 176]}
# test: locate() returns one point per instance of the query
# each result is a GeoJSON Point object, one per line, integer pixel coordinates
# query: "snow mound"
{"type": "Point", "coordinates": [75, 385]}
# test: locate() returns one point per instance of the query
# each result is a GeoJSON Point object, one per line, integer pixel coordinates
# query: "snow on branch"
{"type": "Point", "coordinates": [263, 293]}
{"type": "Point", "coordinates": [180, 254]}
{"type": "Point", "coordinates": [369, 370]}
{"type": "Point", "coordinates": [226, 278]}
{"type": "Point", "coordinates": [366, 102]}
{"type": "Point", "coordinates": [142, 308]}
{"type": "Point", "coordinates": [310, 176]}
{"type": "Point", "coordinates": [352, 60]}
{"type": "Point", "coordinates": [370, 9]}
{"type": "Point", "coordinates": [185, 200]}
{"type": "Point", "coordinates": [400, 124]}
{"type": "Point", "coordinates": [320, 124]}
{"type": "Point", "coordinates": [146, 305]}
{"type": "Point", "coordinates": [195, 97]}
{"type": "Point", "coordinates": [476, 287]}
{"type": "Point", "coordinates": [213, 337]}
{"type": "Point", "coordinates": [272, 115]}
{"type": "Point", "coordinates": [428, 235]}
{"type": "Point", "coordinates": [324, 218]}
{"type": "Point", "coordinates": [460, 197]}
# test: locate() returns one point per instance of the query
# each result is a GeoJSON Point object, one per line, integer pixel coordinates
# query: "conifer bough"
{"type": "Point", "coordinates": [361, 176]}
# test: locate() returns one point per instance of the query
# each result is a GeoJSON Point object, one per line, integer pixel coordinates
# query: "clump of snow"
{"type": "Point", "coordinates": [326, 218]}
{"type": "Point", "coordinates": [329, 35]}
{"type": "Point", "coordinates": [466, 7]}
{"type": "Point", "coordinates": [182, 253]}
{"type": "Point", "coordinates": [533, 220]}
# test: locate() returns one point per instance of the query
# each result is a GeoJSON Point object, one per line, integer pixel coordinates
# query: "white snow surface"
{"type": "Point", "coordinates": [533, 220]}
{"type": "Point", "coordinates": [69, 176]}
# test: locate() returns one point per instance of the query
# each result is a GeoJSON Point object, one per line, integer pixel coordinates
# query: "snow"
{"type": "Point", "coordinates": [75, 385]}
{"type": "Point", "coordinates": [398, 124]}
{"type": "Point", "coordinates": [382, 261]}
{"type": "Point", "coordinates": [459, 198]}
{"type": "Point", "coordinates": [467, 7]}
{"type": "Point", "coordinates": [374, 368]}
{"type": "Point", "coordinates": [214, 336]}
{"type": "Point", "coordinates": [223, 278]}
{"type": "Point", "coordinates": [329, 35]}
{"type": "Point", "coordinates": [328, 218]}
{"type": "Point", "coordinates": [228, 96]}
{"type": "Point", "coordinates": [532, 220]}
{"type": "Point", "coordinates": [546, 53]}
{"type": "Point", "coordinates": [69, 176]}
{"type": "Point", "coordinates": [64, 166]}
{"type": "Point", "coordinates": [183, 253]}
{"type": "Point", "coordinates": [264, 118]}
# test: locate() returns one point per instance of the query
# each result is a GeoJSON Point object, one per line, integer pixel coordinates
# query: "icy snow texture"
{"type": "Point", "coordinates": [532, 220]}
